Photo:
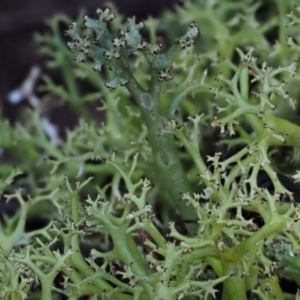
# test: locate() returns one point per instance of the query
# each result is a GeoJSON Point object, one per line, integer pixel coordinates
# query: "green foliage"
{"type": "Point", "coordinates": [160, 193]}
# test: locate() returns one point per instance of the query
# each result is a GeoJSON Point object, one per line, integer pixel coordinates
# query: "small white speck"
{"type": "Point", "coordinates": [130, 216]}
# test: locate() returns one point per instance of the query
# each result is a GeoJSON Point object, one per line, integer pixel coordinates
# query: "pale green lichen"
{"type": "Point", "coordinates": [113, 186]}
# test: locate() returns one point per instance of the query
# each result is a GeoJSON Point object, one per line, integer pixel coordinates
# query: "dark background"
{"type": "Point", "coordinates": [20, 19]}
